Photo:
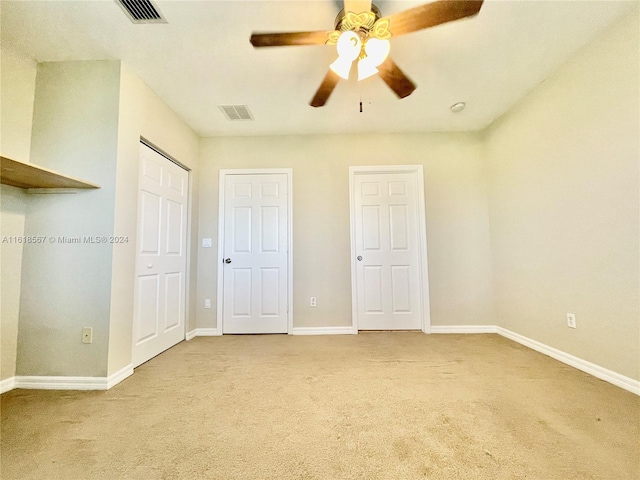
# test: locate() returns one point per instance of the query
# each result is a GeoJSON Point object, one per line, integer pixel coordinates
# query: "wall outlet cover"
{"type": "Point", "coordinates": [87, 335]}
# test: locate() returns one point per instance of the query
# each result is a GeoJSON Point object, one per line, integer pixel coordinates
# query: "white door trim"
{"type": "Point", "coordinates": [221, 189]}
{"type": "Point", "coordinates": [418, 172]}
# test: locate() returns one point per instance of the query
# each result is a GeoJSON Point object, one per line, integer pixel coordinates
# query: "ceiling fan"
{"type": "Point", "coordinates": [362, 34]}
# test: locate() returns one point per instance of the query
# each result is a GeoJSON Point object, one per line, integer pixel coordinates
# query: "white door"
{"type": "Point", "coordinates": [387, 250]}
{"type": "Point", "coordinates": [159, 313]}
{"type": "Point", "coordinates": [255, 242]}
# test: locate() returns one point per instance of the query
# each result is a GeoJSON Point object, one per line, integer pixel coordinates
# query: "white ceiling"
{"type": "Point", "coordinates": [202, 58]}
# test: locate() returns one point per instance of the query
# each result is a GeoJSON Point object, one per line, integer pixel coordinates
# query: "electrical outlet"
{"type": "Point", "coordinates": [571, 320]}
{"type": "Point", "coordinates": [207, 303]}
{"type": "Point", "coordinates": [206, 243]}
{"type": "Point", "coordinates": [312, 302]}
{"type": "Point", "coordinates": [87, 335]}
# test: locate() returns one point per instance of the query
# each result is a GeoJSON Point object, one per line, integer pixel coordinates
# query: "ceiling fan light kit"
{"type": "Point", "coordinates": [365, 37]}
{"type": "Point", "coordinates": [371, 52]}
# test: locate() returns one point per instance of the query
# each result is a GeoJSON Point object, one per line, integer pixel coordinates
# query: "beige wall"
{"type": "Point", "coordinates": [12, 214]}
{"type": "Point", "coordinates": [456, 211]}
{"type": "Point", "coordinates": [534, 218]}
{"type": "Point", "coordinates": [143, 114]}
{"type": "Point", "coordinates": [89, 117]}
{"type": "Point", "coordinates": [17, 87]}
{"type": "Point", "coordinates": [563, 177]}
{"type": "Point", "coordinates": [18, 84]}
{"type": "Point", "coordinates": [66, 287]}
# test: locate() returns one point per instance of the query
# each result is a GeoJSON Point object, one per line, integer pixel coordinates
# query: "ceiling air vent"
{"type": "Point", "coordinates": [141, 11]}
{"type": "Point", "coordinates": [236, 112]}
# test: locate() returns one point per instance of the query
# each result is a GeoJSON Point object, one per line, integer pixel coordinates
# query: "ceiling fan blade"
{"type": "Point", "coordinates": [292, 38]}
{"type": "Point", "coordinates": [357, 6]}
{"type": "Point", "coordinates": [432, 14]}
{"type": "Point", "coordinates": [396, 79]}
{"type": "Point", "coordinates": [324, 91]}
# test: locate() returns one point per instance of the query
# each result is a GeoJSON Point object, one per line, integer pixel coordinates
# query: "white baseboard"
{"type": "Point", "coordinates": [463, 329]}
{"type": "Point", "coordinates": [207, 332]}
{"type": "Point", "coordinates": [73, 383]}
{"type": "Point", "coordinates": [210, 332]}
{"type": "Point", "coordinates": [203, 332]}
{"type": "Point", "coordinates": [597, 371]}
{"type": "Point", "coordinates": [323, 331]}
{"type": "Point", "coordinates": [7, 384]}
{"type": "Point", "coordinates": [61, 383]}
{"type": "Point", "coordinates": [120, 375]}
{"type": "Point", "coordinates": [105, 383]}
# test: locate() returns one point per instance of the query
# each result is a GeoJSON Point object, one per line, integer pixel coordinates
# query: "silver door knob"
{"type": "Point", "coordinates": [359, 258]}
{"type": "Point", "coordinates": [227, 260]}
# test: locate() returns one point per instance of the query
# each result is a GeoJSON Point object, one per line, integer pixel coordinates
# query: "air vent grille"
{"type": "Point", "coordinates": [141, 11]}
{"type": "Point", "coordinates": [236, 112]}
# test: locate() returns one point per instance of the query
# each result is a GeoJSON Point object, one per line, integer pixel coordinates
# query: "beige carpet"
{"type": "Point", "coordinates": [371, 406]}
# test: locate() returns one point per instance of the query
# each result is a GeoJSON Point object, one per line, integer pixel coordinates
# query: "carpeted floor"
{"type": "Point", "coordinates": [372, 406]}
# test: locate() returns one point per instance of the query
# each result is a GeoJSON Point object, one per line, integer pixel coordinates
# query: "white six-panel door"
{"type": "Point", "coordinates": [255, 255]}
{"type": "Point", "coordinates": [387, 247]}
{"type": "Point", "coordinates": [159, 309]}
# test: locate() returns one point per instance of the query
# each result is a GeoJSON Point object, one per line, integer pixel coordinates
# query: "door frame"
{"type": "Point", "coordinates": [418, 173]}
{"type": "Point", "coordinates": [221, 222]}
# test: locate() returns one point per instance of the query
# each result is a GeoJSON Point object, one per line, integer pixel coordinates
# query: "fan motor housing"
{"type": "Point", "coordinates": [342, 13]}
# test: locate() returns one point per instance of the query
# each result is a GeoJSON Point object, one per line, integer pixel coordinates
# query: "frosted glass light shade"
{"type": "Point", "coordinates": [342, 67]}
{"type": "Point", "coordinates": [349, 46]}
{"type": "Point", "coordinates": [376, 51]}
{"type": "Point", "coordinates": [366, 69]}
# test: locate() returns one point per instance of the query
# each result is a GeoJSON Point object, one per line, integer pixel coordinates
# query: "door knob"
{"type": "Point", "coordinates": [359, 258]}
{"type": "Point", "coordinates": [227, 260]}
{"type": "Point", "coordinates": [150, 265]}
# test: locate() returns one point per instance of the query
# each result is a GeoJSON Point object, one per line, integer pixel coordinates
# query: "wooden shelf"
{"type": "Point", "coordinates": [28, 175]}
